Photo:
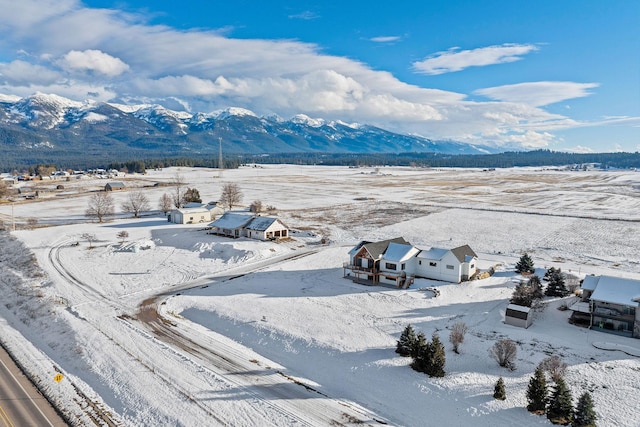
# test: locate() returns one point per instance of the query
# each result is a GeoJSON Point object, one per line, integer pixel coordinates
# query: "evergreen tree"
{"type": "Point", "coordinates": [419, 353]}
{"type": "Point", "coordinates": [406, 341]}
{"type": "Point", "coordinates": [436, 358]}
{"type": "Point", "coordinates": [556, 286]}
{"type": "Point", "coordinates": [498, 391]}
{"type": "Point", "coordinates": [560, 409]}
{"type": "Point", "coordinates": [549, 273]}
{"type": "Point", "coordinates": [522, 295]}
{"type": "Point", "coordinates": [537, 392]}
{"type": "Point", "coordinates": [525, 264]}
{"type": "Point", "coordinates": [585, 415]}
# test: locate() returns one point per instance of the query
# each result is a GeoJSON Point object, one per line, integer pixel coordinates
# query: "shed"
{"type": "Point", "coordinates": [518, 315]}
{"type": "Point", "coordinates": [189, 216]}
{"type": "Point", "coordinates": [114, 185]}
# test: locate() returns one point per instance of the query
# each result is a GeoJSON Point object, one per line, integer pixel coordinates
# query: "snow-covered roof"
{"type": "Point", "coordinates": [581, 307]}
{"type": "Point", "coordinates": [376, 249]}
{"type": "Point", "coordinates": [617, 290]}
{"type": "Point", "coordinates": [192, 210]}
{"type": "Point", "coordinates": [433, 253]}
{"type": "Point", "coordinates": [232, 221]}
{"type": "Point", "coordinates": [261, 223]}
{"type": "Point", "coordinates": [516, 307]}
{"type": "Point", "coordinates": [399, 252]}
{"type": "Point", "coordinates": [193, 205]}
{"type": "Point", "coordinates": [590, 282]}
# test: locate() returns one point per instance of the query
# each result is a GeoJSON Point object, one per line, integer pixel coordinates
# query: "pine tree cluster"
{"type": "Point", "coordinates": [527, 292]}
{"type": "Point", "coordinates": [428, 356]}
{"type": "Point", "coordinates": [559, 404]}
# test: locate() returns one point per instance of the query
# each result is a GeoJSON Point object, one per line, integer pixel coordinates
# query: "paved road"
{"type": "Point", "coordinates": [21, 405]}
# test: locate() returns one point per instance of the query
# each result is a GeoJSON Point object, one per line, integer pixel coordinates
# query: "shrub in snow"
{"type": "Point", "coordinates": [554, 366]}
{"type": "Point", "coordinates": [525, 264]}
{"type": "Point", "coordinates": [498, 391]}
{"type": "Point", "coordinates": [456, 337]}
{"type": "Point", "coordinates": [504, 352]}
{"type": "Point", "coordinates": [406, 342]}
{"type": "Point", "coordinates": [537, 392]}
{"type": "Point", "coordinates": [585, 414]}
{"type": "Point", "coordinates": [560, 409]}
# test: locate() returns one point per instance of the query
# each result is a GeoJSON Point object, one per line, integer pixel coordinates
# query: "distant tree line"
{"type": "Point", "coordinates": [537, 158]}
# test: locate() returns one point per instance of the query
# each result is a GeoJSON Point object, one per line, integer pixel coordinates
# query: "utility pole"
{"type": "Point", "coordinates": [13, 220]}
{"type": "Point", "coordinates": [220, 162]}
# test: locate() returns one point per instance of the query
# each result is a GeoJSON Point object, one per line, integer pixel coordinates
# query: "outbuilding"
{"type": "Point", "coordinates": [189, 215]}
{"type": "Point", "coordinates": [114, 185]}
{"type": "Point", "coordinates": [518, 315]}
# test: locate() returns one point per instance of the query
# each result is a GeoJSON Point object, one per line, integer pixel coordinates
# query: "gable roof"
{"type": "Point", "coordinates": [433, 253]}
{"type": "Point", "coordinates": [464, 253]}
{"type": "Point", "coordinates": [376, 249]}
{"type": "Point", "coordinates": [399, 252]}
{"type": "Point", "coordinates": [115, 184]}
{"type": "Point", "coordinates": [232, 221]}
{"type": "Point", "coordinates": [590, 283]}
{"type": "Point", "coordinates": [261, 223]}
{"type": "Point", "coordinates": [617, 290]}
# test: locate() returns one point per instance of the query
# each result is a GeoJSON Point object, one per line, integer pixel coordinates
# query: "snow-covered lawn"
{"type": "Point", "coordinates": [286, 317]}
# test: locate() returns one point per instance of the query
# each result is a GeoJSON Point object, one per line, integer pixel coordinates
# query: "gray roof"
{"type": "Point", "coordinates": [376, 249]}
{"type": "Point", "coordinates": [232, 221]}
{"type": "Point", "coordinates": [462, 252]}
{"type": "Point", "coordinates": [115, 184]}
{"type": "Point", "coordinates": [261, 223]}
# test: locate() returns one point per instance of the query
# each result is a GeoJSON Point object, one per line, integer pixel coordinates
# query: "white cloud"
{"type": "Point", "coordinates": [385, 39]}
{"type": "Point", "coordinates": [94, 61]}
{"type": "Point", "coordinates": [456, 60]}
{"type": "Point", "coordinates": [71, 47]}
{"type": "Point", "coordinates": [580, 149]}
{"type": "Point", "coordinates": [307, 15]}
{"type": "Point", "coordinates": [538, 93]}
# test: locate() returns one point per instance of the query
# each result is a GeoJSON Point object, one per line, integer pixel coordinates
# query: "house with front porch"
{"type": "Point", "coordinates": [612, 304]}
{"type": "Point", "coordinates": [397, 262]}
{"type": "Point", "coordinates": [244, 224]}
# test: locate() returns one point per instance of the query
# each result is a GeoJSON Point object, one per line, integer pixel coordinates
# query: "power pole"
{"type": "Point", "coordinates": [220, 163]}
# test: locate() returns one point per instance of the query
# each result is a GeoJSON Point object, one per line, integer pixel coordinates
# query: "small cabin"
{"type": "Point", "coordinates": [114, 185]}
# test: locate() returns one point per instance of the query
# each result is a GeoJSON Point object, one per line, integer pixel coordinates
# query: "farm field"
{"type": "Point", "coordinates": [179, 327]}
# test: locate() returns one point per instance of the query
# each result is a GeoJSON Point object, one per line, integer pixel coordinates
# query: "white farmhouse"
{"type": "Point", "coordinates": [266, 228]}
{"type": "Point", "coordinates": [397, 262]}
{"type": "Point", "coordinates": [450, 265]}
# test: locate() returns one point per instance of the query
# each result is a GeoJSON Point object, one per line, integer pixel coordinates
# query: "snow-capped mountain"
{"type": "Point", "coordinates": [49, 127]}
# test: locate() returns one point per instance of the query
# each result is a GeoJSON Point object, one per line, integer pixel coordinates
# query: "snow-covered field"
{"type": "Point", "coordinates": [261, 333]}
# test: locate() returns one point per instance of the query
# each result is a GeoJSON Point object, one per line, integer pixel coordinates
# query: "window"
{"type": "Point", "coordinates": [390, 266]}
{"type": "Point", "coordinates": [472, 266]}
{"type": "Point", "coordinates": [420, 262]}
{"type": "Point", "coordinates": [449, 267]}
{"type": "Point", "coordinates": [403, 266]}
{"type": "Point", "coordinates": [432, 264]}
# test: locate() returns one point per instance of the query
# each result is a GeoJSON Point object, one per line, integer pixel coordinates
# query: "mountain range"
{"type": "Point", "coordinates": [49, 128]}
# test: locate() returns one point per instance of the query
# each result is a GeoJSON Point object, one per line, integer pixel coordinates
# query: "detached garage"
{"type": "Point", "coordinates": [518, 315]}
{"type": "Point", "coordinates": [189, 216]}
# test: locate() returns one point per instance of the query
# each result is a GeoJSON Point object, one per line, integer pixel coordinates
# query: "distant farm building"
{"type": "Point", "coordinates": [114, 185]}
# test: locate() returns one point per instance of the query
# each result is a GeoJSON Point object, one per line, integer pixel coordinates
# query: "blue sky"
{"type": "Point", "coordinates": [563, 75]}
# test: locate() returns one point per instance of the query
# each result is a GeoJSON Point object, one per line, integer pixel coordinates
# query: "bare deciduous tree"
{"type": "Point", "coordinates": [178, 194]}
{"type": "Point", "coordinates": [255, 206]}
{"type": "Point", "coordinates": [504, 352]}
{"type": "Point", "coordinates": [100, 206]}
{"type": "Point", "coordinates": [231, 195]}
{"type": "Point", "coordinates": [122, 235]}
{"type": "Point", "coordinates": [165, 203]}
{"type": "Point", "coordinates": [554, 366]}
{"type": "Point", "coordinates": [89, 238]}
{"type": "Point", "coordinates": [4, 189]}
{"type": "Point", "coordinates": [136, 202]}
{"type": "Point", "coordinates": [456, 337]}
